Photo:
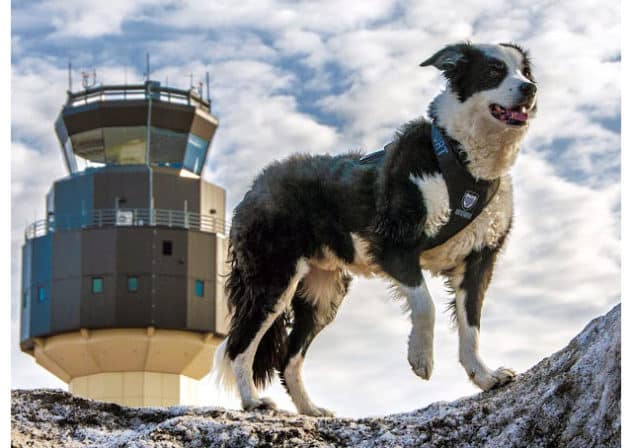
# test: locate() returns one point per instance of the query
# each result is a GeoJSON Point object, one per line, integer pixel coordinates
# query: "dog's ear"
{"type": "Point", "coordinates": [448, 57]}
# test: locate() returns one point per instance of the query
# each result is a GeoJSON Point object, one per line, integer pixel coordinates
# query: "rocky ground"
{"type": "Point", "coordinates": [571, 399]}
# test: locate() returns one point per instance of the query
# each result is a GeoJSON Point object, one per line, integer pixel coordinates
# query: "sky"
{"type": "Point", "coordinates": [334, 76]}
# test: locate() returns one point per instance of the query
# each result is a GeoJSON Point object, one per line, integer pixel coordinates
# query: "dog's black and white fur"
{"type": "Point", "coordinates": [309, 222]}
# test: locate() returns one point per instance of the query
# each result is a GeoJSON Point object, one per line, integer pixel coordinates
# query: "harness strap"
{"type": "Point", "coordinates": [376, 157]}
{"type": "Point", "coordinates": [468, 196]}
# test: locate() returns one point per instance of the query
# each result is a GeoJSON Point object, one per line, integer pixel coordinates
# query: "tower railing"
{"type": "Point", "coordinates": [136, 92]}
{"type": "Point", "coordinates": [128, 217]}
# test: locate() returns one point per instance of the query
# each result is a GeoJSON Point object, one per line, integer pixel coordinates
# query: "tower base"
{"type": "Point", "coordinates": [138, 389]}
{"type": "Point", "coordinates": [131, 366]}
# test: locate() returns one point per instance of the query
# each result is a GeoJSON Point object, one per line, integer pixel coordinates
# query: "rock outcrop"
{"type": "Point", "coordinates": [570, 399]}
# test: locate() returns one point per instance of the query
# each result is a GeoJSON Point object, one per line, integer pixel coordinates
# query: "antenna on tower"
{"type": "Point", "coordinates": [190, 80]}
{"type": "Point", "coordinates": [208, 89]}
{"type": "Point", "coordinates": [148, 72]}
{"type": "Point", "coordinates": [69, 76]}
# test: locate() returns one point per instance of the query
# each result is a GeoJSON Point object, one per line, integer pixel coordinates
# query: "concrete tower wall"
{"type": "Point", "coordinates": [99, 189]}
{"type": "Point", "coordinates": [40, 287]}
{"type": "Point", "coordinates": [66, 284]}
{"type": "Point", "coordinates": [212, 200]}
{"type": "Point", "coordinates": [128, 185]}
{"type": "Point", "coordinates": [171, 191]}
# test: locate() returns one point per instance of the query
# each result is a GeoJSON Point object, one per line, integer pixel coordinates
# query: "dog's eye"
{"type": "Point", "coordinates": [527, 73]}
{"type": "Point", "coordinates": [493, 73]}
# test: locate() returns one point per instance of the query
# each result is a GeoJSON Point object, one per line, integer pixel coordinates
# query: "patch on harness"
{"type": "Point", "coordinates": [469, 200]}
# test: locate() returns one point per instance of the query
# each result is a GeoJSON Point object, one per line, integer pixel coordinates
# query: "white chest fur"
{"type": "Point", "coordinates": [436, 200]}
{"type": "Point", "coordinates": [487, 229]}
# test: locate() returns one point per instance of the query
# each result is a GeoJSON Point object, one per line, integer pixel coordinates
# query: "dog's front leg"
{"type": "Point", "coordinates": [420, 341]}
{"type": "Point", "coordinates": [470, 282]}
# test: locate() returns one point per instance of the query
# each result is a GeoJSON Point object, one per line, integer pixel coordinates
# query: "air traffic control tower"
{"type": "Point", "coordinates": [122, 283]}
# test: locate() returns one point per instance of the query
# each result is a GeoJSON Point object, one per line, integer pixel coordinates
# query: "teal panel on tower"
{"type": "Point", "coordinates": [195, 154]}
{"type": "Point", "coordinates": [25, 314]}
{"type": "Point", "coordinates": [74, 197]}
{"type": "Point", "coordinates": [40, 285]}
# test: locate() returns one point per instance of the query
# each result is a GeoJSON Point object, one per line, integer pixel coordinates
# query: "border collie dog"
{"type": "Point", "coordinates": [438, 198]}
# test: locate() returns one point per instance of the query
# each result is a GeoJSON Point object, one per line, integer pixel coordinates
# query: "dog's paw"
{"type": "Point", "coordinates": [421, 362]}
{"type": "Point", "coordinates": [260, 404]}
{"type": "Point", "coordinates": [493, 379]}
{"type": "Point", "coordinates": [503, 375]}
{"type": "Point", "coordinates": [315, 411]}
{"type": "Point", "coordinates": [420, 355]}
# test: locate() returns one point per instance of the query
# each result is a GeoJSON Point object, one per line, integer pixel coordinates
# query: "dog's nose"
{"type": "Point", "coordinates": [528, 89]}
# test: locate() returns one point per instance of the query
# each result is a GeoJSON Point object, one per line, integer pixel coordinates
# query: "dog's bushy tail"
{"type": "Point", "coordinates": [222, 370]}
{"type": "Point", "coordinates": [244, 303]}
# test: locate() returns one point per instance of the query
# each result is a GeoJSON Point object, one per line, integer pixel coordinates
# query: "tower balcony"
{"type": "Point", "coordinates": [128, 217]}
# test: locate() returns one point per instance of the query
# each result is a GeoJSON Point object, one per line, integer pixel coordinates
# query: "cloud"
{"type": "Point", "coordinates": [79, 19]}
{"type": "Point", "coordinates": [310, 45]}
{"type": "Point", "coordinates": [224, 46]}
{"type": "Point", "coordinates": [270, 15]}
{"type": "Point", "coordinates": [562, 260]}
{"type": "Point", "coordinates": [39, 93]}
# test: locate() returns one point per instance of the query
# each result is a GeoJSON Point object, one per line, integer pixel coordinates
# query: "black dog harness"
{"type": "Point", "coordinates": [468, 196]}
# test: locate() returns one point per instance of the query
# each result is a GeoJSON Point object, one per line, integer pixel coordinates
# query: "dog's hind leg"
{"type": "Point", "coordinates": [242, 353]}
{"type": "Point", "coordinates": [314, 307]}
{"type": "Point", "coordinates": [421, 338]}
{"type": "Point", "coordinates": [470, 281]}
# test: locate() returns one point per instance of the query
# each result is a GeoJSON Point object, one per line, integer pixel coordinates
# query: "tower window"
{"type": "Point", "coordinates": [132, 284]}
{"type": "Point", "coordinates": [41, 294]}
{"type": "Point", "coordinates": [199, 288]}
{"type": "Point", "coordinates": [167, 247]}
{"type": "Point", "coordinates": [97, 285]}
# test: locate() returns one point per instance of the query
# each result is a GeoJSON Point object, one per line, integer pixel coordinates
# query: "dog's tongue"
{"type": "Point", "coordinates": [517, 115]}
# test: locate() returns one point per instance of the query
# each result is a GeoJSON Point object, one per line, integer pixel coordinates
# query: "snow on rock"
{"type": "Point", "coordinates": [571, 399]}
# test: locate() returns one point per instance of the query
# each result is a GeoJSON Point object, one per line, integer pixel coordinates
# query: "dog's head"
{"type": "Point", "coordinates": [488, 103]}
{"type": "Point", "coordinates": [497, 78]}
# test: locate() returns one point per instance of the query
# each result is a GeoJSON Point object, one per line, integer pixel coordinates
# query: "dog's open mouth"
{"type": "Point", "coordinates": [516, 116]}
